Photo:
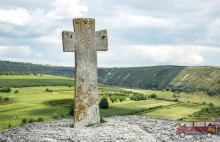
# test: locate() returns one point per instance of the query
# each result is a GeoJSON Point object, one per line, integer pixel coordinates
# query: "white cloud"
{"type": "Point", "coordinates": [214, 28]}
{"type": "Point", "coordinates": [142, 55]}
{"type": "Point", "coordinates": [15, 51]}
{"type": "Point", "coordinates": [53, 37]}
{"type": "Point", "coordinates": [18, 16]}
{"type": "Point", "coordinates": [129, 20]}
{"type": "Point", "coordinates": [67, 9]}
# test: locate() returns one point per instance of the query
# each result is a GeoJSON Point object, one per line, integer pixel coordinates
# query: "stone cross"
{"type": "Point", "coordinates": [85, 42]}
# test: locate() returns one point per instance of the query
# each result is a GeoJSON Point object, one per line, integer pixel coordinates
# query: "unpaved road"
{"type": "Point", "coordinates": [118, 128]}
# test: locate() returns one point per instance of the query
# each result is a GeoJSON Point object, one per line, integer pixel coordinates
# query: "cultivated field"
{"type": "Point", "coordinates": [34, 103]}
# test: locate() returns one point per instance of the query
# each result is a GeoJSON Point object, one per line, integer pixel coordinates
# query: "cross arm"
{"type": "Point", "coordinates": [101, 40]}
{"type": "Point", "coordinates": [69, 41]}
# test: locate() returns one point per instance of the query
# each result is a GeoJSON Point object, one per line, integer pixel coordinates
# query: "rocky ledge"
{"type": "Point", "coordinates": [118, 128]}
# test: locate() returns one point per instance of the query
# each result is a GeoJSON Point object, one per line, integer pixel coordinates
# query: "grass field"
{"type": "Point", "coordinates": [34, 80]}
{"type": "Point", "coordinates": [174, 112]}
{"type": "Point", "coordinates": [197, 97]}
{"type": "Point", "coordinates": [30, 103]}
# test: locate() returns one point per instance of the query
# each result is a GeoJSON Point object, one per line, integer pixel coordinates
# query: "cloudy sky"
{"type": "Point", "coordinates": [141, 33]}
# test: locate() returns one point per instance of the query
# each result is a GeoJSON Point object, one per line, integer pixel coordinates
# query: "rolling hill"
{"type": "Point", "coordinates": [188, 78]}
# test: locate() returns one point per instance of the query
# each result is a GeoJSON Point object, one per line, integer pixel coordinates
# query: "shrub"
{"type": "Point", "coordinates": [167, 89]}
{"type": "Point", "coordinates": [176, 100]}
{"type": "Point", "coordinates": [9, 125]}
{"type": "Point", "coordinates": [211, 104]}
{"type": "Point", "coordinates": [112, 99]}
{"type": "Point", "coordinates": [16, 91]}
{"type": "Point", "coordinates": [153, 96]}
{"type": "Point", "coordinates": [69, 85]}
{"type": "Point", "coordinates": [40, 119]}
{"type": "Point", "coordinates": [7, 90]}
{"type": "Point", "coordinates": [48, 90]}
{"type": "Point", "coordinates": [104, 103]}
{"type": "Point", "coordinates": [204, 103]}
{"type": "Point", "coordinates": [31, 120]}
{"type": "Point", "coordinates": [24, 120]}
{"type": "Point", "coordinates": [34, 73]}
{"type": "Point", "coordinates": [121, 99]}
{"type": "Point", "coordinates": [138, 97]}
{"type": "Point", "coordinates": [71, 109]}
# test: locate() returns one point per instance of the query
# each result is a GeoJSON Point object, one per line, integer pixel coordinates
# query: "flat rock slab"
{"type": "Point", "coordinates": [119, 128]}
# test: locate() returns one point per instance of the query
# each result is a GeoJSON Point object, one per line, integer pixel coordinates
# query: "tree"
{"type": "Point", "coordinates": [104, 103]}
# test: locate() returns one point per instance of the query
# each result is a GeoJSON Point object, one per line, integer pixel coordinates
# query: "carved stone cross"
{"type": "Point", "coordinates": [85, 42]}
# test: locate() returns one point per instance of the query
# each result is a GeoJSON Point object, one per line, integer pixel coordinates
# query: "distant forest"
{"type": "Point", "coordinates": [8, 67]}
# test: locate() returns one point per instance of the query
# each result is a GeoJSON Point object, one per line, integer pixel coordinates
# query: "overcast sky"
{"type": "Point", "coordinates": [140, 32]}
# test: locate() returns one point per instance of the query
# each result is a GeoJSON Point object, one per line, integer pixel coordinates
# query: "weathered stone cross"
{"type": "Point", "coordinates": [85, 42]}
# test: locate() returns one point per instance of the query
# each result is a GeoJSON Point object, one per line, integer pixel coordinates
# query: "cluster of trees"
{"type": "Point", "coordinates": [7, 66]}
{"type": "Point", "coordinates": [117, 98]}
{"type": "Point", "coordinates": [39, 85]}
{"type": "Point", "coordinates": [15, 73]}
{"type": "Point", "coordinates": [210, 111]}
{"type": "Point", "coordinates": [176, 90]}
{"type": "Point", "coordinates": [138, 97]}
{"type": "Point", "coordinates": [5, 89]}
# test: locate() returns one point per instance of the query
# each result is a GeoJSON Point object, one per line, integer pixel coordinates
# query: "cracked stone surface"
{"type": "Point", "coordinates": [118, 128]}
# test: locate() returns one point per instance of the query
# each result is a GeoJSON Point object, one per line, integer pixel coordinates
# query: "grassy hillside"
{"type": "Point", "coordinates": [157, 77]}
{"type": "Point", "coordinates": [198, 79]}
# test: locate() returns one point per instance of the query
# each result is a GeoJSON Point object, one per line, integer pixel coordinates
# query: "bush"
{"type": "Point", "coordinates": [113, 99]}
{"type": "Point", "coordinates": [71, 109]}
{"type": "Point", "coordinates": [31, 120]}
{"type": "Point", "coordinates": [40, 119]}
{"type": "Point", "coordinates": [24, 120]}
{"type": "Point", "coordinates": [9, 125]}
{"type": "Point", "coordinates": [104, 103]}
{"type": "Point", "coordinates": [7, 90]}
{"type": "Point", "coordinates": [153, 96]}
{"type": "Point", "coordinates": [48, 90]}
{"type": "Point", "coordinates": [16, 91]}
{"type": "Point", "coordinates": [167, 89]}
{"type": "Point", "coordinates": [138, 97]}
{"type": "Point", "coordinates": [176, 100]}
{"type": "Point", "coordinates": [204, 103]}
{"type": "Point", "coordinates": [121, 99]}
{"type": "Point", "coordinates": [211, 104]}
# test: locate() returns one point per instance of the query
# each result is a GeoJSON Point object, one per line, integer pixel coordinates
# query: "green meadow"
{"type": "Point", "coordinates": [34, 80]}
{"type": "Point", "coordinates": [174, 112]}
{"type": "Point", "coordinates": [32, 103]}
